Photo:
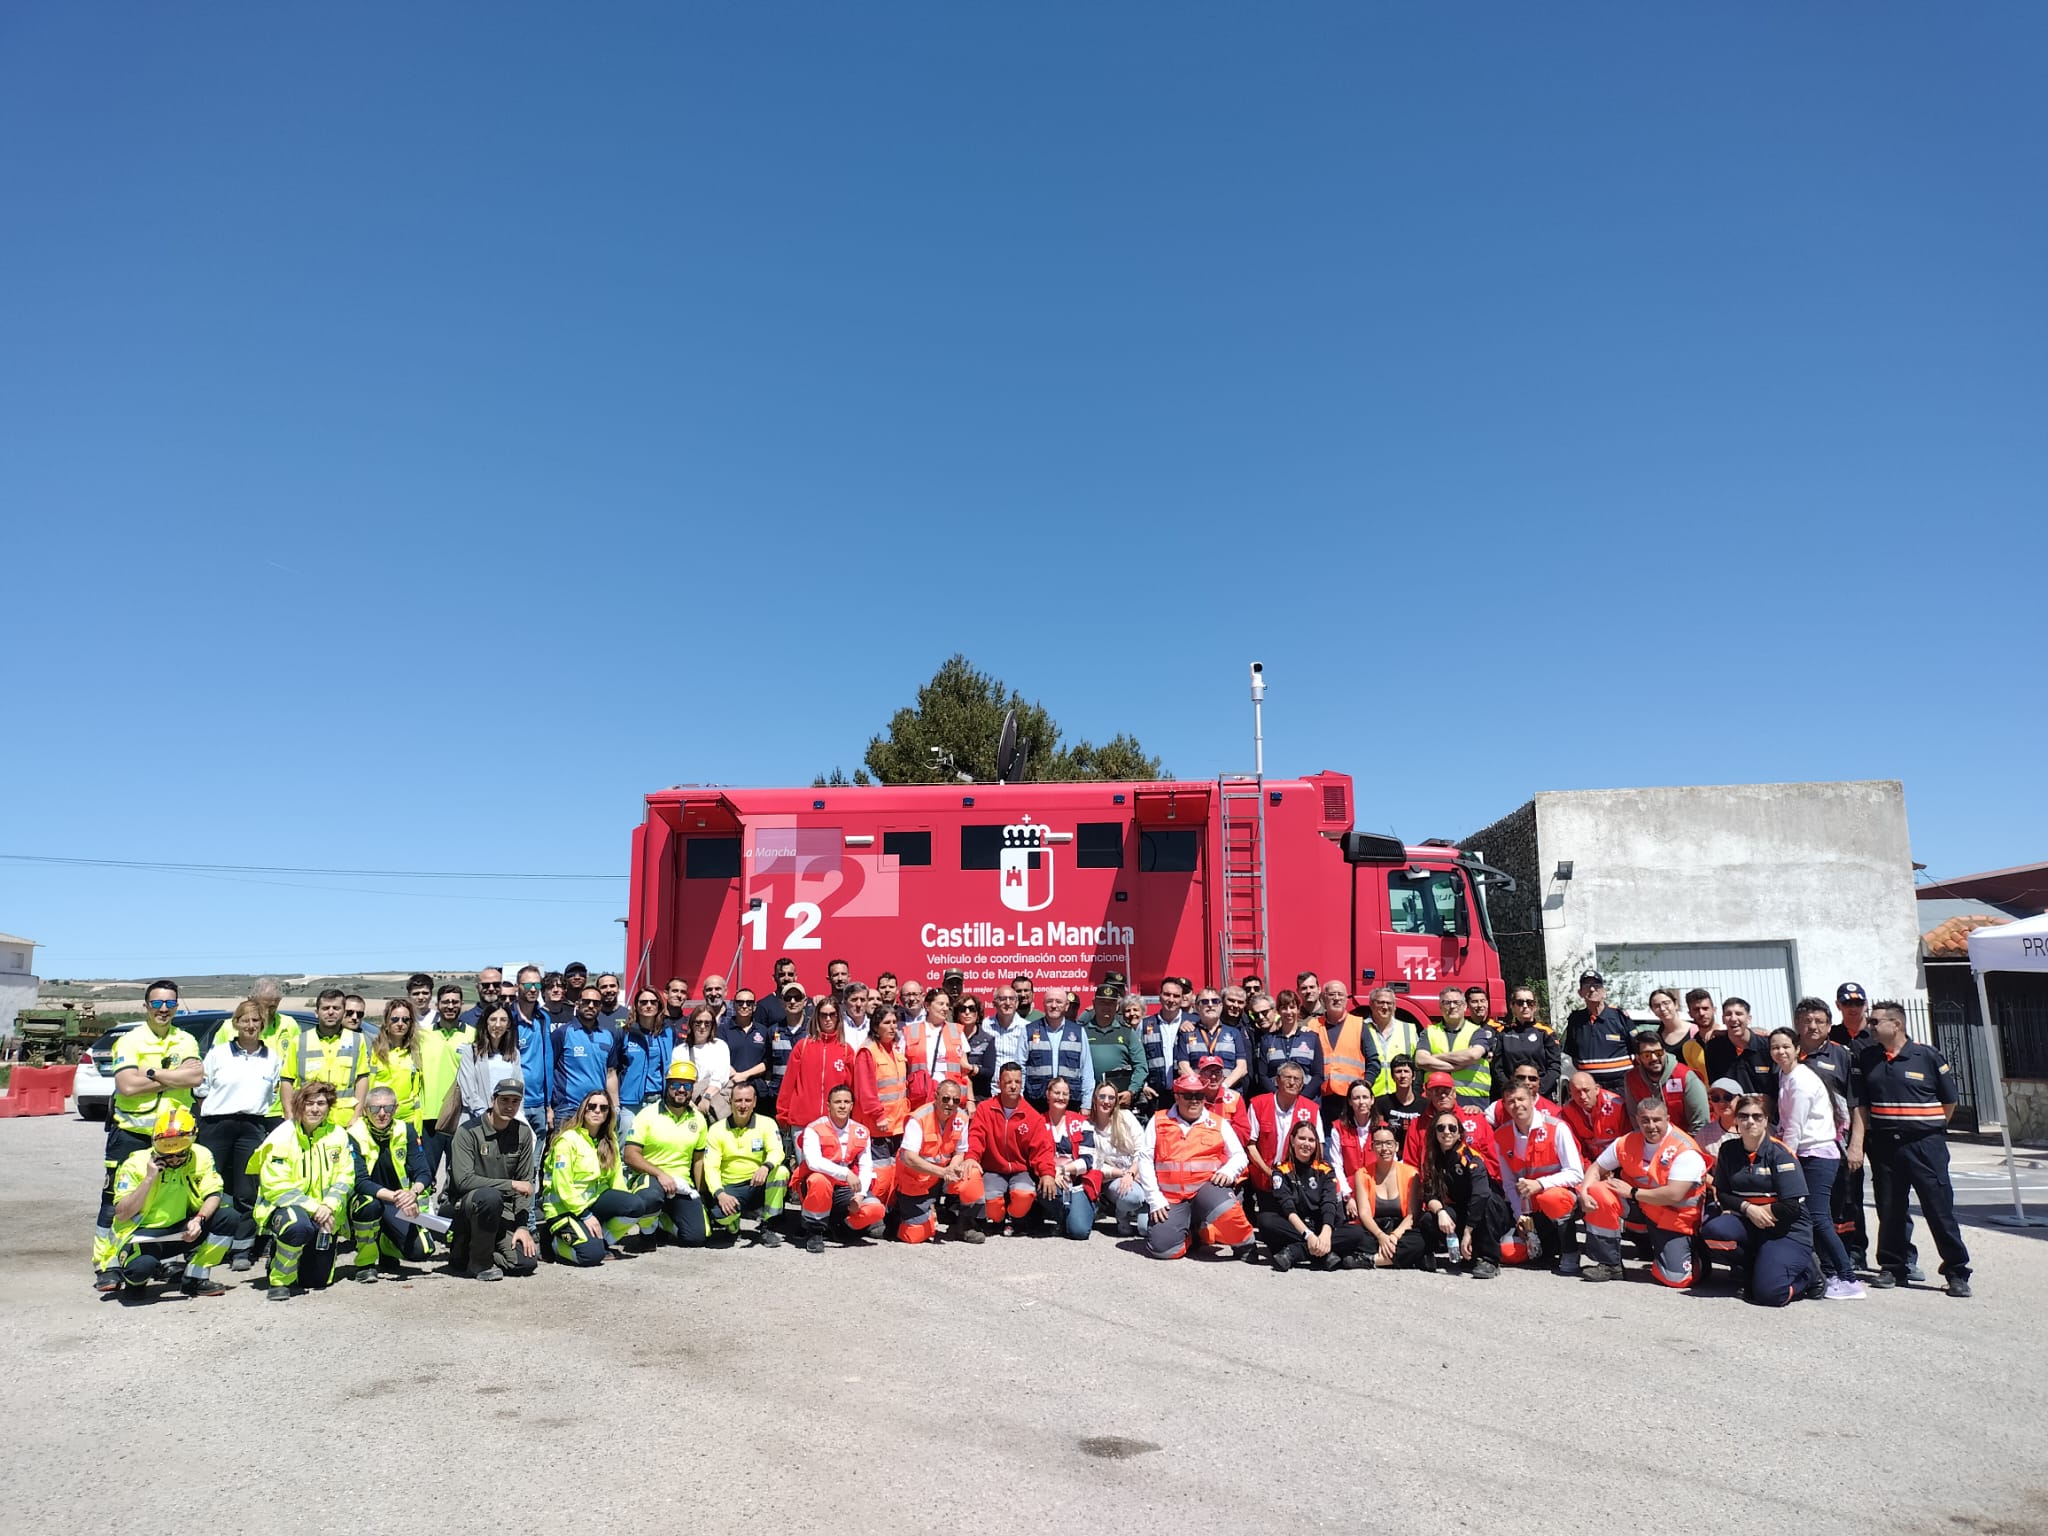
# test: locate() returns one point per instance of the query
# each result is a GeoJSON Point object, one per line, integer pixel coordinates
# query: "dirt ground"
{"type": "Point", "coordinates": [1069, 1385]}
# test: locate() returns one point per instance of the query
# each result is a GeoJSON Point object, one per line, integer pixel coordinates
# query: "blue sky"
{"type": "Point", "coordinates": [423, 433]}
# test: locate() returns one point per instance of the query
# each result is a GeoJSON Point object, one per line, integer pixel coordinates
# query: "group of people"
{"type": "Point", "coordinates": [557, 1117]}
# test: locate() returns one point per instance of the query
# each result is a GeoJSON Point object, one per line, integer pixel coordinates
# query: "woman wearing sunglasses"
{"type": "Point", "coordinates": [1764, 1232]}
{"type": "Point", "coordinates": [1459, 1198]}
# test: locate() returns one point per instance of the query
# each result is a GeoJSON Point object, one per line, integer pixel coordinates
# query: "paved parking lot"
{"type": "Point", "coordinates": [1067, 1386]}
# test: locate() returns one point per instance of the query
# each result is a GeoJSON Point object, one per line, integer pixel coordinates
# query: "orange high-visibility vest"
{"type": "Point", "coordinates": [939, 1145]}
{"type": "Point", "coordinates": [890, 1075]}
{"type": "Point", "coordinates": [1343, 1054]}
{"type": "Point", "coordinates": [1657, 1171]}
{"type": "Point", "coordinates": [846, 1147]}
{"type": "Point", "coordinates": [1185, 1157]}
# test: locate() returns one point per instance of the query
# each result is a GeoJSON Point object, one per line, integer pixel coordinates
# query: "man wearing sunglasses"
{"type": "Point", "coordinates": [490, 988]}
{"type": "Point", "coordinates": [156, 1067]}
{"type": "Point", "coordinates": [1209, 1035]}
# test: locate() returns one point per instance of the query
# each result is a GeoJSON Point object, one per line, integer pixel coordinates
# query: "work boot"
{"type": "Point", "coordinates": [1958, 1286]}
{"type": "Point", "coordinates": [241, 1263]}
{"type": "Point", "coordinates": [1356, 1261]}
{"type": "Point", "coordinates": [280, 1293]}
{"type": "Point", "coordinates": [489, 1272]}
{"type": "Point", "coordinates": [206, 1287]}
{"type": "Point", "coordinates": [769, 1237]}
{"type": "Point", "coordinates": [969, 1234]}
{"type": "Point", "coordinates": [1884, 1280]}
{"type": "Point", "coordinates": [1283, 1261]}
{"type": "Point", "coordinates": [1600, 1272]}
{"type": "Point", "coordinates": [814, 1245]}
{"type": "Point", "coordinates": [1485, 1269]}
{"type": "Point", "coordinates": [1329, 1261]}
{"type": "Point", "coordinates": [107, 1280]}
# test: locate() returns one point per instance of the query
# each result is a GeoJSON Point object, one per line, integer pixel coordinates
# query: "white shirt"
{"type": "Point", "coordinates": [912, 1139]}
{"type": "Point", "coordinates": [1009, 1043]}
{"type": "Point", "coordinates": [854, 1031]}
{"type": "Point", "coordinates": [238, 1082]}
{"type": "Point", "coordinates": [1806, 1114]}
{"type": "Point", "coordinates": [814, 1157]}
{"type": "Point", "coordinates": [1234, 1164]}
{"type": "Point", "coordinates": [713, 1061]}
{"type": "Point", "coordinates": [1571, 1171]}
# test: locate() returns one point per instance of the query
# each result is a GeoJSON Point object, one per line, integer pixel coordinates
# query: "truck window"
{"type": "Point", "coordinates": [1169, 851]}
{"type": "Point", "coordinates": [982, 847]}
{"type": "Point", "coordinates": [1099, 845]}
{"type": "Point", "coordinates": [711, 858]}
{"type": "Point", "coordinates": [910, 848]}
{"type": "Point", "coordinates": [1423, 903]}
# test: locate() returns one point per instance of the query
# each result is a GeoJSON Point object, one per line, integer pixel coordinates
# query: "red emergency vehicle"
{"type": "Point", "coordinates": [1209, 879]}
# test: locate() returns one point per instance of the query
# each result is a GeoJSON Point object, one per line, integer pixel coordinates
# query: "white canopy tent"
{"type": "Point", "coordinates": [2018, 946]}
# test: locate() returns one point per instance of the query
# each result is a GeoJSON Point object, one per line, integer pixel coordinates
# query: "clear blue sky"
{"type": "Point", "coordinates": [1551, 398]}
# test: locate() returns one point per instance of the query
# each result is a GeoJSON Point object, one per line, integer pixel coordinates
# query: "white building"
{"type": "Point", "coordinates": [1764, 891]}
{"type": "Point", "coordinates": [18, 981]}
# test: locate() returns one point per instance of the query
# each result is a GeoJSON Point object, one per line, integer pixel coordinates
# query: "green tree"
{"type": "Point", "coordinates": [960, 714]}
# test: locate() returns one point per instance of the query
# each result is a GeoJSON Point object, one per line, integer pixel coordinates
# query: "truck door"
{"type": "Point", "coordinates": [1429, 926]}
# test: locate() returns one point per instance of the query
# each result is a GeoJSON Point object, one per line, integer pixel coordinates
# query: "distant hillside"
{"type": "Point", "coordinates": [375, 985]}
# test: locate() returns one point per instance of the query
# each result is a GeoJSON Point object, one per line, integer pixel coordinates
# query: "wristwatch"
{"type": "Point", "coordinates": [150, 1073]}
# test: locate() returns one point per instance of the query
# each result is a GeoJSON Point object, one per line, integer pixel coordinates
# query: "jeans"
{"type": "Point", "coordinates": [1821, 1173]}
{"type": "Point", "coordinates": [1077, 1213]}
{"type": "Point", "coordinates": [1131, 1206]}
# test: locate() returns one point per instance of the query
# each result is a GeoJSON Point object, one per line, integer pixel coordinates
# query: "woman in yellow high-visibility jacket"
{"type": "Point", "coordinates": [589, 1209]}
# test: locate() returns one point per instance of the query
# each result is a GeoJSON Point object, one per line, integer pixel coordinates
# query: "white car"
{"type": "Point", "coordinates": [92, 1085]}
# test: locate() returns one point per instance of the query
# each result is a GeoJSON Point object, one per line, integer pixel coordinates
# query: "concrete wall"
{"type": "Point", "coordinates": [1826, 868]}
{"type": "Point", "coordinates": [16, 993]}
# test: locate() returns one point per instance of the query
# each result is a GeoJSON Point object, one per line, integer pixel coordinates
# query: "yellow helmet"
{"type": "Point", "coordinates": [682, 1070]}
{"type": "Point", "coordinates": [173, 1130]}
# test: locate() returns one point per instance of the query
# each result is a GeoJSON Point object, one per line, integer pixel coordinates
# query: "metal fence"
{"type": "Point", "coordinates": [1950, 1029]}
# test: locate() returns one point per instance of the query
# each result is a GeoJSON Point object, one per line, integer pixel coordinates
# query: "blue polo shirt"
{"type": "Point", "coordinates": [748, 1044]}
{"type": "Point", "coordinates": [536, 1060]}
{"type": "Point", "coordinates": [583, 1059]}
{"type": "Point", "coordinates": [643, 1066]}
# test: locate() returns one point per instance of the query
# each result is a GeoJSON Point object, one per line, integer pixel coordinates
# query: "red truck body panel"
{"type": "Point", "coordinates": [1065, 881]}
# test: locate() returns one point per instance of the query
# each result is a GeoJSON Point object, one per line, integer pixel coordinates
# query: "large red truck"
{"type": "Point", "coordinates": [1209, 879]}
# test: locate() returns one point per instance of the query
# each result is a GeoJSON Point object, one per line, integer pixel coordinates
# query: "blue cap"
{"type": "Point", "coordinates": [1849, 992]}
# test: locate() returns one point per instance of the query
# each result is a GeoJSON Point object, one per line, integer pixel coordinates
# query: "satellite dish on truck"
{"type": "Point", "coordinates": [1006, 748]}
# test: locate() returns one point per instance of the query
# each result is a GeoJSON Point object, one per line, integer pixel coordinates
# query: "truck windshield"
{"type": "Point", "coordinates": [1423, 902]}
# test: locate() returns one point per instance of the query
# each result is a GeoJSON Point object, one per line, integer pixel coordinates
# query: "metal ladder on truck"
{"type": "Point", "coordinates": [1241, 944]}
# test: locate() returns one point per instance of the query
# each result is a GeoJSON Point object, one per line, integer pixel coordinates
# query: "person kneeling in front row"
{"type": "Point", "coordinates": [392, 1178]}
{"type": "Point", "coordinates": [492, 1170]}
{"type": "Point", "coordinates": [744, 1168]}
{"type": "Point", "coordinates": [932, 1167]}
{"type": "Point", "coordinates": [1764, 1230]}
{"type": "Point", "coordinates": [589, 1212]}
{"type": "Point", "coordinates": [666, 1148]}
{"type": "Point", "coordinates": [1301, 1216]}
{"type": "Point", "coordinates": [1651, 1188]}
{"type": "Point", "coordinates": [838, 1173]}
{"type": "Point", "coordinates": [167, 1205]}
{"type": "Point", "coordinates": [305, 1171]}
{"type": "Point", "coordinates": [1189, 1165]}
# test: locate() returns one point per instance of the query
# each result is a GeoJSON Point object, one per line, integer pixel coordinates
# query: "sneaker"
{"type": "Point", "coordinates": [1852, 1290]}
{"type": "Point", "coordinates": [366, 1274]}
{"type": "Point", "coordinates": [1569, 1265]}
{"type": "Point", "coordinates": [1356, 1261]}
{"type": "Point", "coordinates": [1915, 1275]}
{"type": "Point", "coordinates": [241, 1263]}
{"type": "Point", "coordinates": [280, 1293]}
{"type": "Point", "coordinates": [489, 1272]}
{"type": "Point", "coordinates": [207, 1287]}
{"type": "Point", "coordinates": [1485, 1269]}
{"type": "Point", "coordinates": [814, 1245]}
{"type": "Point", "coordinates": [1600, 1272]}
{"type": "Point", "coordinates": [770, 1238]}
{"type": "Point", "coordinates": [1884, 1280]}
{"type": "Point", "coordinates": [1283, 1261]}
{"type": "Point", "coordinates": [973, 1235]}
{"type": "Point", "coordinates": [1957, 1286]}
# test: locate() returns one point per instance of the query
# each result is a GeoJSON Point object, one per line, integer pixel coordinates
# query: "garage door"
{"type": "Point", "coordinates": [1761, 973]}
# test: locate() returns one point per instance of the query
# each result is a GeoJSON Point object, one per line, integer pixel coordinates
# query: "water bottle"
{"type": "Point", "coordinates": [1535, 1241]}
{"type": "Point", "coordinates": [324, 1241]}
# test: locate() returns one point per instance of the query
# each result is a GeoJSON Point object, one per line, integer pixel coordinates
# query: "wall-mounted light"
{"type": "Point", "coordinates": [1564, 870]}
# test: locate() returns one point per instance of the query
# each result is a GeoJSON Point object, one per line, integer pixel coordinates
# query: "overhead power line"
{"type": "Point", "coordinates": [286, 869]}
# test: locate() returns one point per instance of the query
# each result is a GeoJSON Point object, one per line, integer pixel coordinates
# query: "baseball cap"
{"type": "Point", "coordinates": [1209, 1061]}
{"type": "Point", "coordinates": [954, 975]}
{"type": "Point", "coordinates": [512, 1082]}
{"type": "Point", "coordinates": [1849, 992]}
{"type": "Point", "coordinates": [1726, 1085]}
{"type": "Point", "coordinates": [1439, 1080]}
{"type": "Point", "coordinates": [1187, 1082]}
{"type": "Point", "coordinates": [1594, 977]}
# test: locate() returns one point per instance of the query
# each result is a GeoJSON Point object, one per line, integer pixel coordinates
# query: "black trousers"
{"type": "Point", "coordinates": [1916, 1165]}
{"type": "Point", "coordinates": [481, 1234]}
{"type": "Point", "coordinates": [232, 1140]}
{"type": "Point", "coordinates": [1278, 1234]}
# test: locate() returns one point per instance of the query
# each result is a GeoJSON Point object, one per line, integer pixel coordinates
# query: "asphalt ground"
{"type": "Point", "coordinates": [1031, 1382]}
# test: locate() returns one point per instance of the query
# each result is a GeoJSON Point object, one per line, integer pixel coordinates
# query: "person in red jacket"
{"type": "Point", "coordinates": [1594, 1115]}
{"type": "Point", "coordinates": [816, 1067]}
{"type": "Point", "coordinates": [1441, 1090]}
{"type": "Point", "coordinates": [1273, 1117]}
{"type": "Point", "coordinates": [1009, 1141]}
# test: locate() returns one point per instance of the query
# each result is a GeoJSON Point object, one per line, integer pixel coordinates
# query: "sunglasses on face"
{"type": "Point", "coordinates": [401, 1018]}
{"type": "Point", "coordinates": [1447, 1130]}
{"type": "Point", "coordinates": [1748, 1114]}
{"type": "Point", "coordinates": [162, 1004]}
{"type": "Point", "coordinates": [351, 1013]}
{"type": "Point", "coordinates": [1719, 1098]}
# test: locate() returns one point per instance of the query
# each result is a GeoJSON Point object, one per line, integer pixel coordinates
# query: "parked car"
{"type": "Point", "coordinates": [92, 1085]}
